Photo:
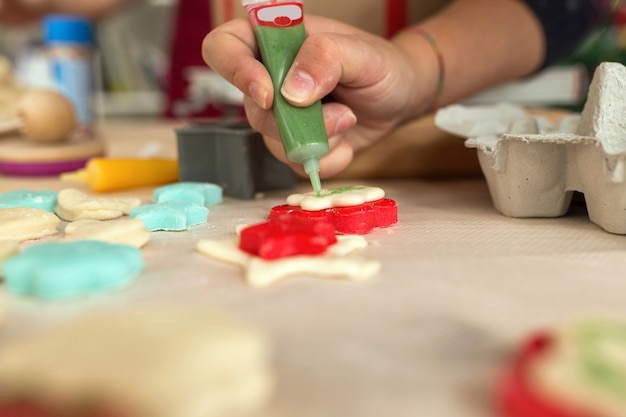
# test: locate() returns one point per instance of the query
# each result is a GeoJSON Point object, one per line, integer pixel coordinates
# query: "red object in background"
{"type": "Point", "coordinates": [283, 236]}
{"type": "Point", "coordinates": [192, 23]}
{"type": "Point", "coordinates": [356, 220]}
{"type": "Point", "coordinates": [516, 397]}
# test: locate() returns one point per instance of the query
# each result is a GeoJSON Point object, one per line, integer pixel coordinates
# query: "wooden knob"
{"type": "Point", "coordinates": [46, 116]}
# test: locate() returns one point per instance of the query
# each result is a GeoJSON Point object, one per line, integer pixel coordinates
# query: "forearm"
{"type": "Point", "coordinates": [482, 42]}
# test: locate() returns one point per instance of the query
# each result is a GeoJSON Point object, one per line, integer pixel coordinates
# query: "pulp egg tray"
{"type": "Point", "coordinates": [533, 166]}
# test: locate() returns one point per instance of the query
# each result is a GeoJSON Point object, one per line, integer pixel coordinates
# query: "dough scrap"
{"type": "Point", "coordinates": [261, 273]}
{"type": "Point", "coordinates": [170, 215]}
{"type": "Point", "coordinates": [45, 199]}
{"type": "Point", "coordinates": [75, 205]}
{"type": "Point", "coordinates": [26, 223]}
{"type": "Point", "coordinates": [336, 197]}
{"type": "Point", "coordinates": [59, 270]}
{"type": "Point", "coordinates": [155, 362]}
{"type": "Point", "coordinates": [124, 231]}
{"type": "Point", "coordinates": [203, 193]}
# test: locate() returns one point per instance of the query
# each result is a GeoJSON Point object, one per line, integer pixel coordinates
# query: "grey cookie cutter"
{"type": "Point", "coordinates": [232, 155]}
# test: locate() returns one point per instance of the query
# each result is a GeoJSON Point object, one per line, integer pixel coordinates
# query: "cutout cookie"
{"type": "Point", "coordinates": [75, 205]}
{"type": "Point", "coordinates": [202, 193]}
{"type": "Point", "coordinates": [45, 200]}
{"type": "Point", "coordinates": [261, 273]}
{"type": "Point", "coordinates": [336, 197]}
{"type": "Point", "coordinates": [7, 249]}
{"type": "Point", "coordinates": [60, 270]}
{"type": "Point", "coordinates": [153, 362]}
{"type": "Point", "coordinates": [123, 231]}
{"type": "Point", "coordinates": [576, 371]}
{"type": "Point", "coordinates": [170, 215]}
{"type": "Point", "coordinates": [26, 223]}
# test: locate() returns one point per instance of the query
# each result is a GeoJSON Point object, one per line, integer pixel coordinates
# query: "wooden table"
{"type": "Point", "coordinates": [460, 286]}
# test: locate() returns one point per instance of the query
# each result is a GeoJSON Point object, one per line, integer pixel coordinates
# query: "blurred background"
{"type": "Point", "coordinates": [147, 64]}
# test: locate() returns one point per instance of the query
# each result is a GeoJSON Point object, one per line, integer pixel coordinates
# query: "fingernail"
{"type": "Point", "coordinates": [258, 94]}
{"type": "Point", "coordinates": [345, 122]}
{"type": "Point", "coordinates": [298, 86]}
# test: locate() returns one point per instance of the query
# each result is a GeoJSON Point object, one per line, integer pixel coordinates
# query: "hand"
{"type": "Point", "coordinates": [370, 84]}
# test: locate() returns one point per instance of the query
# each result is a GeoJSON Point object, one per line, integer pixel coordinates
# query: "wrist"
{"type": "Point", "coordinates": [425, 64]}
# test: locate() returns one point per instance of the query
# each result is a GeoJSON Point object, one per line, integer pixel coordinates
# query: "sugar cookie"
{"type": "Point", "coordinates": [261, 273]}
{"type": "Point", "coordinates": [75, 205]}
{"type": "Point", "coordinates": [60, 270]}
{"type": "Point", "coordinates": [45, 200]}
{"type": "Point", "coordinates": [125, 231]}
{"type": "Point", "coordinates": [25, 223]}
{"type": "Point", "coordinates": [203, 193]}
{"type": "Point", "coordinates": [170, 215]}
{"type": "Point", "coordinates": [153, 362]}
{"type": "Point", "coordinates": [336, 197]}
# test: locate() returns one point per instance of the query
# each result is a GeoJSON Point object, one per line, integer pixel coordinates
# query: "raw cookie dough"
{"type": "Point", "coordinates": [7, 249]}
{"type": "Point", "coordinates": [170, 215]}
{"type": "Point", "coordinates": [60, 270]}
{"type": "Point", "coordinates": [45, 200]}
{"type": "Point", "coordinates": [125, 231]}
{"type": "Point", "coordinates": [75, 205]}
{"type": "Point", "coordinates": [261, 273]}
{"type": "Point", "coordinates": [203, 193]}
{"type": "Point", "coordinates": [25, 223]}
{"type": "Point", "coordinates": [336, 197]}
{"type": "Point", "coordinates": [153, 362]}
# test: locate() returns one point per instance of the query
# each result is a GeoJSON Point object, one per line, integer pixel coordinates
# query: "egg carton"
{"type": "Point", "coordinates": [533, 166]}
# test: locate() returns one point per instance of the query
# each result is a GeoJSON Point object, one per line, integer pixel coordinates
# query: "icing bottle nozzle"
{"type": "Point", "coordinates": [279, 30]}
{"type": "Point", "coordinates": [312, 168]}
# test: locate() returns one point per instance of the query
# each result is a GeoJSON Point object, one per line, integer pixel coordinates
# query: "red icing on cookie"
{"type": "Point", "coordinates": [285, 235]}
{"type": "Point", "coordinates": [517, 398]}
{"type": "Point", "coordinates": [356, 220]}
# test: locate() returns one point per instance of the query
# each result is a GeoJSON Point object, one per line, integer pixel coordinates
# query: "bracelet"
{"type": "Point", "coordinates": [440, 61]}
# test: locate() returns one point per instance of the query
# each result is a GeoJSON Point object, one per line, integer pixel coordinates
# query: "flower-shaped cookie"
{"type": "Point", "coordinates": [59, 270]}
{"type": "Point", "coordinates": [359, 219]}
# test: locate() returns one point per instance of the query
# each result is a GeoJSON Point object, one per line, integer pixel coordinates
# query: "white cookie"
{"type": "Point", "coordinates": [152, 362]}
{"type": "Point", "coordinates": [73, 205]}
{"type": "Point", "coordinates": [261, 273]}
{"type": "Point", "coordinates": [125, 231]}
{"type": "Point", "coordinates": [25, 223]}
{"type": "Point", "coordinates": [336, 197]}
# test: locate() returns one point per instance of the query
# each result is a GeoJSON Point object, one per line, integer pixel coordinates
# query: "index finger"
{"type": "Point", "coordinates": [231, 50]}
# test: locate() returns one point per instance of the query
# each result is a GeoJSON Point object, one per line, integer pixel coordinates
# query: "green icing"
{"type": "Point", "coordinates": [339, 190]}
{"type": "Point", "coordinates": [597, 340]}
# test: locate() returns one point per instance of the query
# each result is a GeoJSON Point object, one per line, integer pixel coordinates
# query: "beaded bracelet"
{"type": "Point", "coordinates": [440, 61]}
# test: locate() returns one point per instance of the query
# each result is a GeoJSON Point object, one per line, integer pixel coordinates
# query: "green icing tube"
{"type": "Point", "coordinates": [280, 33]}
